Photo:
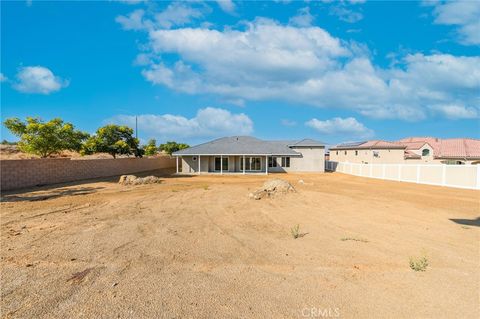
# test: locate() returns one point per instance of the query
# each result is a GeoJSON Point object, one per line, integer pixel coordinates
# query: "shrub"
{"type": "Point", "coordinates": [295, 230]}
{"type": "Point", "coordinates": [418, 263]}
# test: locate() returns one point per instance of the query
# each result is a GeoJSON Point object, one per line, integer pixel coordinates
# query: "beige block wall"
{"type": "Point", "coordinates": [16, 174]}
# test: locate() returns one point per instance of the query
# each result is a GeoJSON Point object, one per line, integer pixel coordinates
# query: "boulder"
{"type": "Point", "coordinates": [271, 188]}
{"type": "Point", "coordinates": [134, 180]}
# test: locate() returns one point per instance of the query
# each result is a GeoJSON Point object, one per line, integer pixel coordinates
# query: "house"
{"type": "Point", "coordinates": [245, 154]}
{"type": "Point", "coordinates": [413, 150]}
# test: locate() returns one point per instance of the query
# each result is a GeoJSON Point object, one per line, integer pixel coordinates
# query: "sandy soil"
{"type": "Point", "coordinates": [198, 247]}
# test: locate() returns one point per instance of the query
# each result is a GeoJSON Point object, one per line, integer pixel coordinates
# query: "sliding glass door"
{"type": "Point", "coordinates": [219, 161]}
{"type": "Point", "coordinates": [251, 164]}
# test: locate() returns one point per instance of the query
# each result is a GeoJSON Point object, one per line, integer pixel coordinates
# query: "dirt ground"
{"type": "Point", "coordinates": [198, 247]}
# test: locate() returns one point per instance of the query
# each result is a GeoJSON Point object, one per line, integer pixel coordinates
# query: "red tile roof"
{"type": "Point", "coordinates": [446, 148]}
{"type": "Point", "coordinates": [462, 148]}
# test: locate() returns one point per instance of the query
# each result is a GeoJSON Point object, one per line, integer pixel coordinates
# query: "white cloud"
{"type": "Point", "coordinates": [38, 79]}
{"type": "Point", "coordinates": [345, 14]}
{"type": "Point", "coordinates": [303, 18]}
{"type": "Point", "coordinates": [287, 122]}
{"type": "Point", "coordinates": [463, 14]}
{"type": "Point", "coordinates": [340, 126]}
{"type": "Point", "coordinates": [208, 122]}
{"type": "Point", "coordinates": [264, 60]}
{"type": "Point", "coordinates": [175, 14]}
{"type": "Point", "coordinates": [227, 5]}
{"type": "Point", "coordinates": [456, 112]}
{"type": "Point", "coordinates": [3, 78]}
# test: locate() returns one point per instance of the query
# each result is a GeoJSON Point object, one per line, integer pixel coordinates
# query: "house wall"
{"type": "Point", "coordinates": [385, 156]}
{"type": "Point", "coordinates": [311, 160]}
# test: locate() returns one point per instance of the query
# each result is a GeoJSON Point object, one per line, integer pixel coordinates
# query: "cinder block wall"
{"type": "Point", "coordinates": [23, 173]}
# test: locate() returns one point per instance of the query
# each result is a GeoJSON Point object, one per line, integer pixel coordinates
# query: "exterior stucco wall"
{"type": "Point", "coordinates": [385, 156]}
{"type": "Point", "coordinates": [311, 160]}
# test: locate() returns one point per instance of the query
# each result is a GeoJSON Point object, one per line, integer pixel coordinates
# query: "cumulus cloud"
{"type": "Point", "coordinates": [265, 60]}
{"type": "Point", "coordinates": [208, 122]}
{"type": "Point", "coordinates": [175, 14]}
{"type": "Point", "coordinates": [227, 5]}
{"type": "Point", "coordinates": [463, 14]}
{"type": "Point", "coordinates": [38, 79]}
{"type": "Point", "coordinates": [303, 18]}
{"type": "Point", "coordinates": [340, 126]}
{"type": "Point", "coordinates": [455, 112]}
{"type": "Point", "coordinates": [346, 14]}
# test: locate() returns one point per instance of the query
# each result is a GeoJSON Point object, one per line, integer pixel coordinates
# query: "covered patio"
{"type": "Point", "coordinates": [222, 164]}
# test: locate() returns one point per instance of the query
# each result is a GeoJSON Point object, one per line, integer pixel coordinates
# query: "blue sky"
{"type": "Point", "coordinates": [192, 71]}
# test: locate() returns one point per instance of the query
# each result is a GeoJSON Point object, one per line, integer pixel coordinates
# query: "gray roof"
{"type": "Point", "coordinates": [242, 145]}
{"type": "Point", "coordinates": [307, 142]}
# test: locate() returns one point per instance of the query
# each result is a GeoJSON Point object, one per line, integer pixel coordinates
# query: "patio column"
{"type": "Point", "coordinates": [199, 164]}
{"type": "Point", "coordinates": [243, 164]}
{"type": "Point", "coordinates": [221, 164]}
{"type": "Point", "coordinates": [266, 165]}
{"type": "Point", "coordinates": [177, 164]}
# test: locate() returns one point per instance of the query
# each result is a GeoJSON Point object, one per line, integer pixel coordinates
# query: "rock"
{"type": "Point", "coordinates": [272, 187]}
{"type": "Point", "coordinates": [134, 180]}
{"type": "Point", "coordinates": [301, 181]}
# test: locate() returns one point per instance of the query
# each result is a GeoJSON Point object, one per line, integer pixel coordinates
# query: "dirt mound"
{"type": "Point", "coordinates": [134, 180]}
{"type": "Point", "coordinates": [271, 188]}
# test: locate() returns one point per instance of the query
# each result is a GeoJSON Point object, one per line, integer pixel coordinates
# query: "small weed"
{"type": "Point", "coordinates": [418, 263]}
{"type": "Point", "coordinates": [295, 231]}
{"type": "Point", "coordinates": [205, 187]}
{"type": "Point", "coordinates": [354, 239]}
{"type": "Point", "coordinates": [174, 190]}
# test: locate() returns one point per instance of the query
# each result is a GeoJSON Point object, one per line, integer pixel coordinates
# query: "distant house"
{"type": "Point", "coordinates": [245, 154]}
{"type": "Point", "coordinates": [410, 150]}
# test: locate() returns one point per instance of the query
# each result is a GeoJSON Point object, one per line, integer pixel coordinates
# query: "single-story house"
{"type": "Point", "coordinates": [246, 154]}
{"type": "Point", "coordinates": [413, 150]}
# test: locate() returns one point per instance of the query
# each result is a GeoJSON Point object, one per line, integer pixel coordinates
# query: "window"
{"type": "Point", "coordinates": [272, 161]}
{"type": "Point", "coordinates": [223, 162]}
{"type": "Point", "coordinates": [345, 152]}
{"type": "Point", "coordinates": [337, 153]}
{"type": "Point", "coordinates": [376, 154]}
{"type": "Point", "coordinates": [425, 152]}
{"type": "Point", "coordinates": [285, 161]}
{"type": "Point", "coordinates": [251, 164]}
{"type": "Point", "coordinates": [356, 153]}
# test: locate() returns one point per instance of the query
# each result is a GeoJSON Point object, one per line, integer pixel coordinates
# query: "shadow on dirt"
{"type": "Point", "coordinates": [467, 222]}
{"type": "Point", "coordinates": [54, 193]}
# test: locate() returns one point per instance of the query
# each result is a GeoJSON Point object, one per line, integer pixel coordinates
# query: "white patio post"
{"type": "Point", "coordinates": [177, 164]}
{"type": "Point", "coordinates": [243, 164]}
{"type": "Point", "coordinates": [199, 164]}
{"type": "Point", "coordinates": [266, 165]}
{"type": "Point", "coordinates": [221, 164]}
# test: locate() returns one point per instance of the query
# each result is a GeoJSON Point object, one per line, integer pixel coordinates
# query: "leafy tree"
{"type": "Point", "coordinates": [171, 147]}
{"type": "Point", "coordinates": [151, 147]}
{"type": "Point", "coordinates": [114, 140]}
{"type": "Point", "coordinates": [45, 138]}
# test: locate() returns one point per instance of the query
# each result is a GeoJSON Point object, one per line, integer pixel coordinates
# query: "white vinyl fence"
{"type": "Point", "coordinates": [460, 176]}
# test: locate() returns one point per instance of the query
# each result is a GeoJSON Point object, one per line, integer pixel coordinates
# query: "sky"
{"type": "Point", "coordinates": [334, 71]}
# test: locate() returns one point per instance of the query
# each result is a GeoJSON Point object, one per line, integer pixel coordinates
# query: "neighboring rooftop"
{"type": "Point", "coordinates": [247, 145]}
{"type": "Point", "coordinates": [442, 148]}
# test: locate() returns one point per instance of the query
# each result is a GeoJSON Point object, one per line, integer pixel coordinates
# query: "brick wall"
{"type": "Point", "coordinates": [17, 174]}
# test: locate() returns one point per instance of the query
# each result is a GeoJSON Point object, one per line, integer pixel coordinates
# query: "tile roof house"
{"type": "Point", "coordinates": [413, 149]}
{"type": "Point", "coordinates": [246, 154]}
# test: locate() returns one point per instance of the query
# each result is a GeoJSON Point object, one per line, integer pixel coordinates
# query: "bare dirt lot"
{"type": "Point", "coordinates": [198, 247]}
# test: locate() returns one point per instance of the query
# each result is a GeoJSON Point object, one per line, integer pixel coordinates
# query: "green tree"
{"type": "Point", "coordinates": [151, 147]}
{"type": "Point", "coordinates": [45, 138]}
{"type": "Point", "coordinates": [114, 140]}
{"type": "Point", "coordinates": [171, 147]}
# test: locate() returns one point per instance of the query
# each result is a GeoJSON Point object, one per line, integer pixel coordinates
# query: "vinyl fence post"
{"type": "Point", "coordinates": [383, 171]}
{"type": "Point", "coordinates": [444, 174]}
{"type": "Point", "coordinates": [418, 173]}
{"type": "Point", "coordinates": [478, 176]}
{"type": "Point", "coordinates": [371, 167]}
{"type": "Point", "coordinates": [399, 172]}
